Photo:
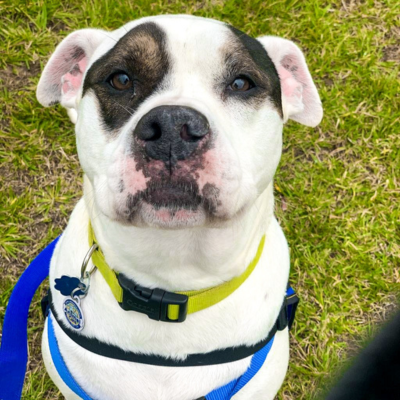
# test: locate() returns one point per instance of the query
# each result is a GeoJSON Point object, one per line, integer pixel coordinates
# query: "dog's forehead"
{"type": "Point", "coordinates": [195, 37]}
{"type": "Point", "coordinates": [181, 36]}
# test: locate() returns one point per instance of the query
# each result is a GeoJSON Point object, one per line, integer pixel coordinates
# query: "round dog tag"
{"type": "Point", "coordinates": [73, 313]}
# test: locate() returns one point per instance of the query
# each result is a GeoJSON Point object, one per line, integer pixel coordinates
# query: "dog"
{"type": "Point", "coordinates": [178, 123]}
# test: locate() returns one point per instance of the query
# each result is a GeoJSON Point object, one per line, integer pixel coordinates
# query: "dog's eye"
{"type": "Point", "coordinates": [241, 84]}
{"type": "Point", "coordinates": [121, 81]}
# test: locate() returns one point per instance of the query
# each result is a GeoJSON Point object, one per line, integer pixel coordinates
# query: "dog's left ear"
{"type": "Point", "coordinates": [300, 99]}
{"type": "Point", "coordinates": [62, 78]}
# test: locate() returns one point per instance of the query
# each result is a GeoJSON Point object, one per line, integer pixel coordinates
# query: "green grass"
{"type": "Point", "coordinates": [336, 188]}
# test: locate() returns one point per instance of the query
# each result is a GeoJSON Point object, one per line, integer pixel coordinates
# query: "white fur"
{"type": "Point", "coordinates": [177, 254]}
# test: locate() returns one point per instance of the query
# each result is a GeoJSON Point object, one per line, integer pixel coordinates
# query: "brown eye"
{"type": "Point", "coordinates": [121, 81]}
{"type": "Point", "coordinates": [241, 84]}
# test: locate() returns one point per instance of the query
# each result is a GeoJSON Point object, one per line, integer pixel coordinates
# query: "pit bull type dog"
{"type": "Point", "coordinates": [178, 124]}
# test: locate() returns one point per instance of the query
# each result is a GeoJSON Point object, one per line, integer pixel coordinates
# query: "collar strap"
{"type": "Point", "coordinates": [159, 304]}
{"type": "Point", "coordinates": [219, 356]}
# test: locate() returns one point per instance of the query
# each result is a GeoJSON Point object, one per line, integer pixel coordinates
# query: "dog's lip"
{"type": "Point", "coordinates": [176, 195]}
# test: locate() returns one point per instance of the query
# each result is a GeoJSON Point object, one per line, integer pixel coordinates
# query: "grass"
{"type": "Point", "coordinates": [336, 188]}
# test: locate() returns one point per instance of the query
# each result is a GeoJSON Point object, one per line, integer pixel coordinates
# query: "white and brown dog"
{"type": "Point", "coordinates": [179, 132]}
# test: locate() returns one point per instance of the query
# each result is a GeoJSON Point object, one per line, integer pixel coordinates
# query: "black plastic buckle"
{"type": "Point", "coordinates": [152, 302]}
{"type": "Point", "coordinates": [292, 303]}
{"type": "Point", "coordinates": [45, 304]}
{"type": "Point", "coordinates": [283, 320]}
{"type": "Point", "coordinates": [287, 312]}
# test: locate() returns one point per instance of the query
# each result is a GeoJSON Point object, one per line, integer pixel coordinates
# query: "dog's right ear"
{"type": "Point", "coordinates": [62, 78]}
{"type": "Point", "coordinates": [300, 98]}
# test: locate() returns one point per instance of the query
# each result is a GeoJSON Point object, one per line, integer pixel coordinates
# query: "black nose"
{"type": "Point", "coordinates": [171, 133]}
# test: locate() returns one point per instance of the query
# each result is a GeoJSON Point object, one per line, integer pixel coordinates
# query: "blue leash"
{"type": "Point", "coordinates": [14, 350]}
{"type": "Point", "coordinates": [14, 342]}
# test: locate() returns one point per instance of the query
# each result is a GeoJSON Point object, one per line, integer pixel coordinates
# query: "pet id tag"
{"type": "Point", "coordinates": [76, 288]}
{"type": "Point", "coordinates": [73, 313]}
{"type": "Point", "coordinates": [66, 284]}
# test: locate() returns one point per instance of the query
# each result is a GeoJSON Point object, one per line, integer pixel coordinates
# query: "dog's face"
{"type": "Point", "coordinates": [178, 119]}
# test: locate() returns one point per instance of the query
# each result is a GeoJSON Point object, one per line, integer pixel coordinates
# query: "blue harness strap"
{"type": "Point", "coordinates": [230, 389]}
{"type": "Point", "coordinates": [14, 349]}
{"type": "Point", "coordinates": [225, 392]}
{"type": "Point", "coordinates": [60, 365]}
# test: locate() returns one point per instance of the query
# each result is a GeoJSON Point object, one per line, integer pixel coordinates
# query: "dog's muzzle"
{"type": "Point", "coordinates": [172, 133]}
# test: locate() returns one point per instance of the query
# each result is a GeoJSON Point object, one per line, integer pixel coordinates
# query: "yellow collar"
{"type": "Point", "coordinates": [162, 305]}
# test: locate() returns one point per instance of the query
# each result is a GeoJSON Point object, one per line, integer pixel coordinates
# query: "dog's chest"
{"type": "Point", "coordinates": [245, 317]}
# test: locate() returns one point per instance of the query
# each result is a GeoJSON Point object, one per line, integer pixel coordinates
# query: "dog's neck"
{"type": "Point", "coordinates": [182, 259]}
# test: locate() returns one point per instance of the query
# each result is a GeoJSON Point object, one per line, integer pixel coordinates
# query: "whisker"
{"type": "Point", "coordinates": [110, 37]}
{"type": "Point", "coordinates": [129, 111]}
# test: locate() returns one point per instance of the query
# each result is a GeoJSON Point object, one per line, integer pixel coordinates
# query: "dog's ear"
{"type": "Point", "coordinates": [300, 99]}
{"type": "Point", "coordinates": [62, 78]}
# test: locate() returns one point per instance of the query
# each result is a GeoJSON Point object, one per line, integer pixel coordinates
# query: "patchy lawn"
{"type": "Point", "coordinates": [337, 187]}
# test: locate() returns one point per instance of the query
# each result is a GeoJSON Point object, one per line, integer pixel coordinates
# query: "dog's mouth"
{"type": "Point", "coordinates": [169, 203]}
{"type": "Point", "coordinates": [164, 201]}
{"type": "Point", "coordinates": [172, 196]}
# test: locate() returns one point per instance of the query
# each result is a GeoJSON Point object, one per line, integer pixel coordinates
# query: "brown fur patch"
{"type": "Point", "coordinates": [245, 56]}
{"type": "Point", "coordinates": [141, 54]}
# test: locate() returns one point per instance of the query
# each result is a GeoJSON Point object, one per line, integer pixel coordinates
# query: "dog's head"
{"type": "Point", "coordinates": [178, 119]}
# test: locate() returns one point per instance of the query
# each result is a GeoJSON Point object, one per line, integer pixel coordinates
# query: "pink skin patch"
{"type": "Point", "coordinates": [71, 81]}
{"type": "Point", "coordinates": [290, 86]}
{"type": "Point", "coordinates": [125, 179]}
{"type": "Point", "coordinates": [133, 179]}
{"type": "Point", "coordinates": [294, 78]}
{"type": "Point", "coordinates": [167, 218]}
{"type": "Point", "coordinates": [166, 215]}
{"type": "Point", "coordinates": [213, 170]}
{"type": "Point", "coordinates": [163, 214]}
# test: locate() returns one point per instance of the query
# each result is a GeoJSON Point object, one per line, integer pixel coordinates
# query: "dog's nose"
{"type": "Point", "coordinates": [172, 133]}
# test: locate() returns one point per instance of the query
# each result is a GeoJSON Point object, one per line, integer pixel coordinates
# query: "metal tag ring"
{"type": "Point", "coordinates": [77, 289]}
{"type": "Point", "coordinates": [85, 262]}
